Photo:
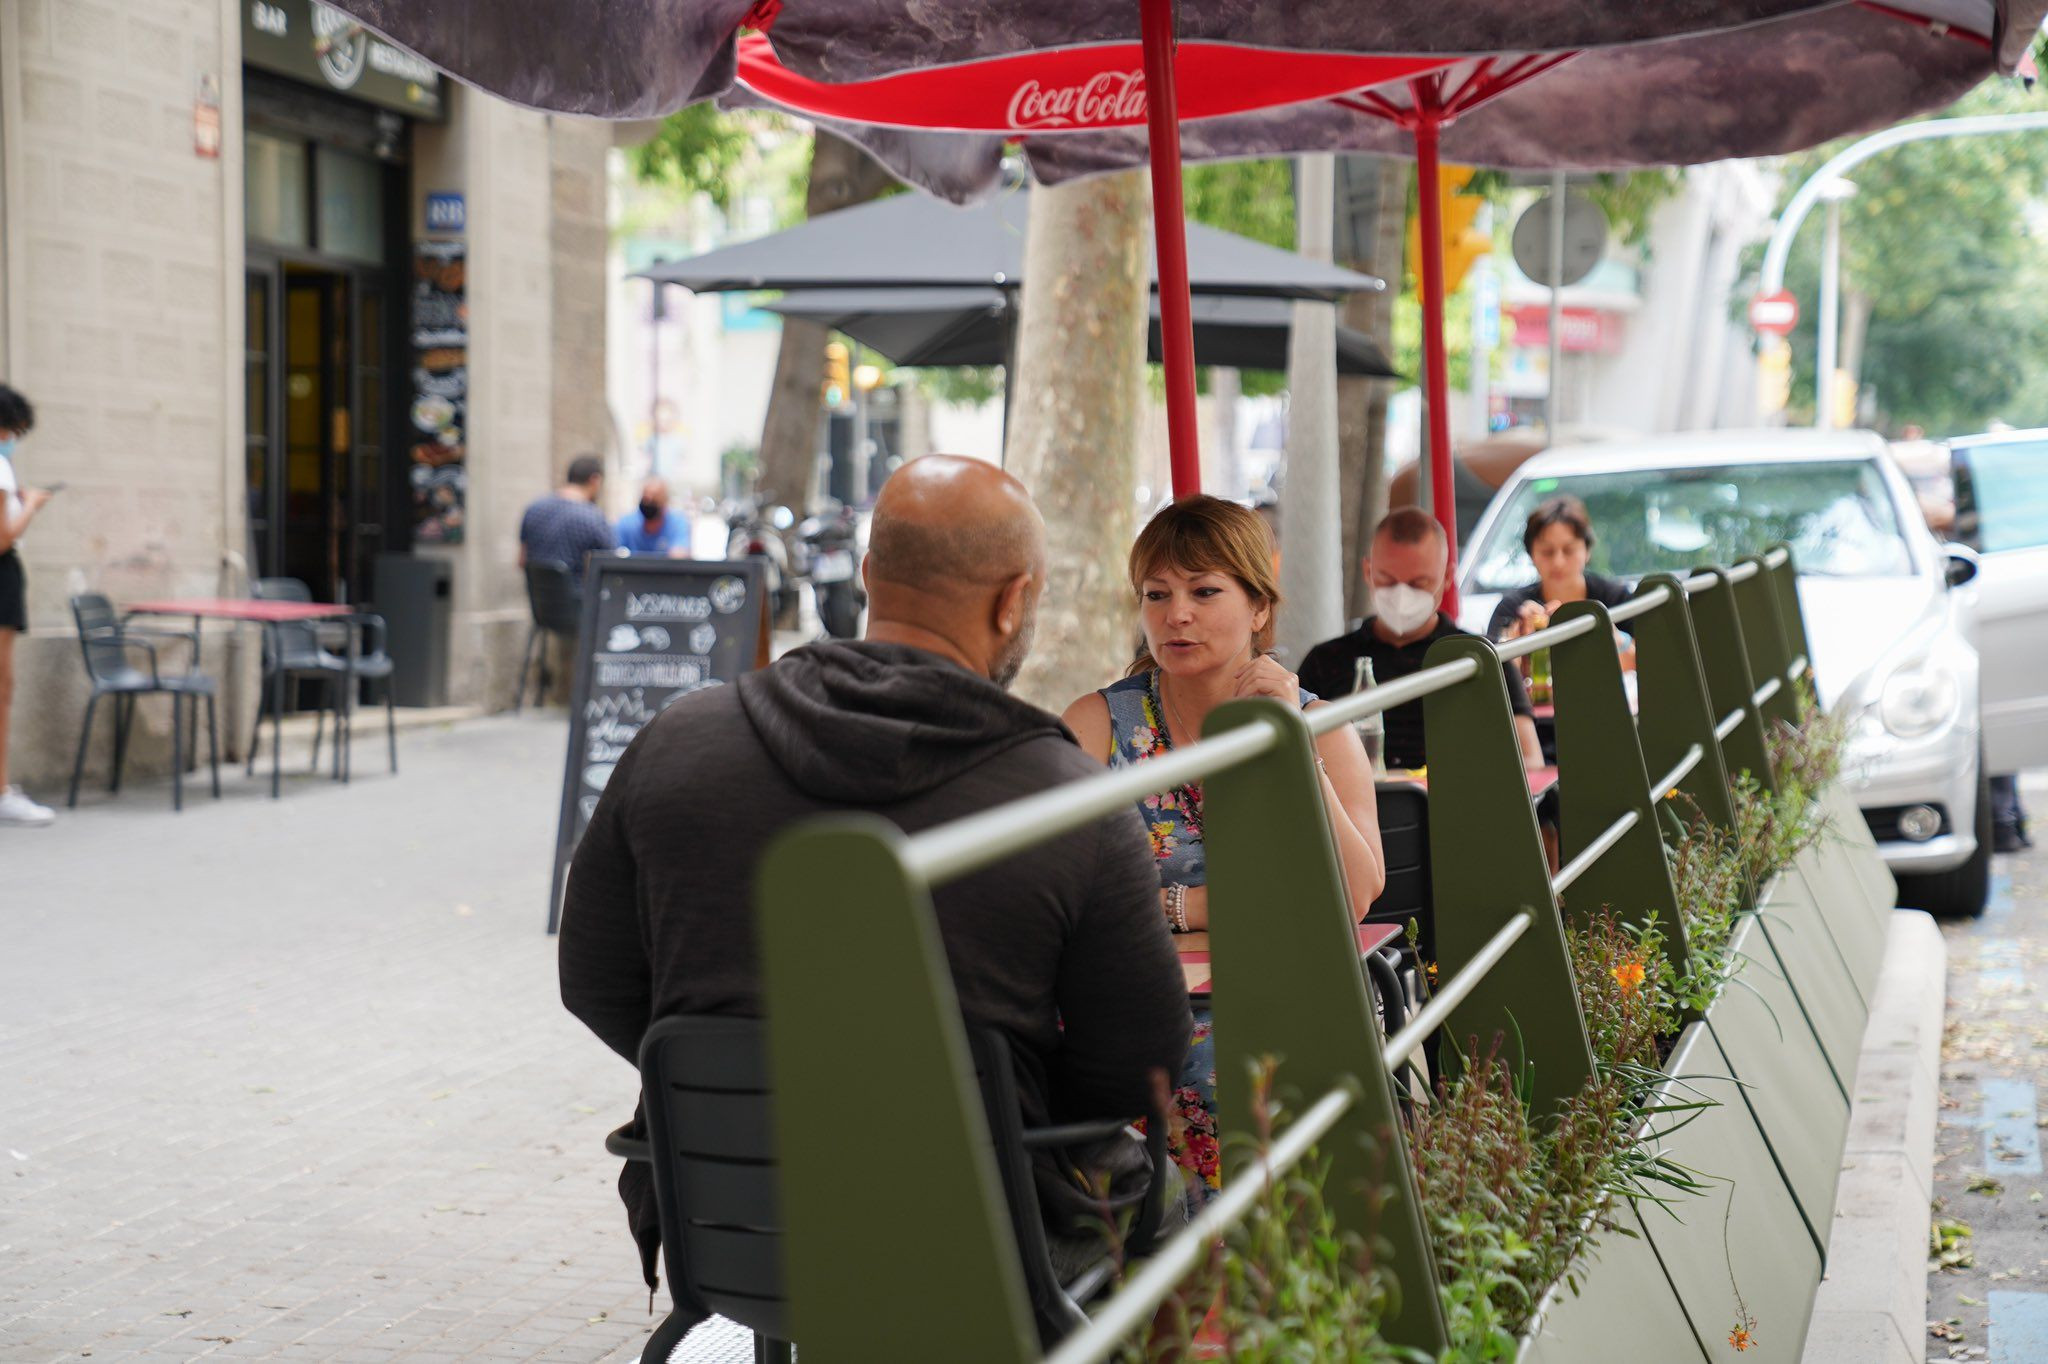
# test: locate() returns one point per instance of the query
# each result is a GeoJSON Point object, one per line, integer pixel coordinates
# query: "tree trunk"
{"type": "Point", "coordinates": [1226, 387]}
{"type": "Point", "coordinates": [1362, 403]}
{"type": "Point", "coordinates": [1074, 423]}
{"type": "Point", "coordinates": [841, 175]}
{"type": "Point", "coordinates": [1311, 522]}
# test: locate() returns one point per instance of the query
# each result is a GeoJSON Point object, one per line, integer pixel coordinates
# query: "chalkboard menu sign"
{"type": "Point", "coordinates": [654, 630]}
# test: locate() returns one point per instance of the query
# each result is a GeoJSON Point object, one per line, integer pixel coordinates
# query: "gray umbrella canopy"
{"type": "Point", "coordinates": [910, 241]}
{"type": "Point", "coordinates": [972, 327]}
{"type": "Point", "coordinates": [644, 58]}
{"type": "Point", "coordinates": [1668, 82]}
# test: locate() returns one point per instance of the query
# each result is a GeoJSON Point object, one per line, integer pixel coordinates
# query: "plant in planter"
{"type": "Point", "coordinates": [1516, 1202]}
{"type": "Point", "coordinates": [1286, 1285]}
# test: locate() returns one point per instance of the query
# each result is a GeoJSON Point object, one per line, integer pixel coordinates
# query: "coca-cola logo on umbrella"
{"type": "Point", "coordinates": [1105, 99]}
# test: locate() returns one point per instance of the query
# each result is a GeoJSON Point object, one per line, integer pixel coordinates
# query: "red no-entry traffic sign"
{"type": "Point", "coordinates": [1775, 313]}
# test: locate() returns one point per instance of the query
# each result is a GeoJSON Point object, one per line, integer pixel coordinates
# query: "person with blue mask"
{"type": "Point", "coordinates": [18, 507]}
{"type": "Point", "coordinates": [649, 529]}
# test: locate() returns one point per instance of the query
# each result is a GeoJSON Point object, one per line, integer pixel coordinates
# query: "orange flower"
{"type": "Point", "coordinates": [1744, 1334]}
{"type": "Point", "coordinates": [1629, 976]}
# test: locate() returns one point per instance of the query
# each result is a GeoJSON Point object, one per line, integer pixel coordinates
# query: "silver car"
{"type": "Point", "coordinates": [1891, 622]}
{"type": "Point", "coordinates": [2001, 492]}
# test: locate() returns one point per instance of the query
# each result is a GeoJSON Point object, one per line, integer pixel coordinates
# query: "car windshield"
{"type": "Point", "coordinates": [1838, 517]}
{"type": "Point", "coordinates": [2002, 495]}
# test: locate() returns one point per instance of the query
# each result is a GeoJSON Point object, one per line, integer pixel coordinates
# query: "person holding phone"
{"type": "Point", "coordinates": [18, 507]}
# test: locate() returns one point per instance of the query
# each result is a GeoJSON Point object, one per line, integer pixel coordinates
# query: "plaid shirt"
{"type": "Point", "coordinates": [561, 530]}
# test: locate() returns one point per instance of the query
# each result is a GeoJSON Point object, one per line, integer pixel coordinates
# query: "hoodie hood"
{"type": "Point", "coordinates": [872, 724]}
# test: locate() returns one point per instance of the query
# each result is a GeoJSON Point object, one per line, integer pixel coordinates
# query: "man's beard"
{"type": "Point", "coordinates": [1011, 661]}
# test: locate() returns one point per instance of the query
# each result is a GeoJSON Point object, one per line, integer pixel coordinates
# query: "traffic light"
{"type": "Point", "coordinates": [1773, 376]}
{"type": "Point", "coordinates": [838, 385]}
{"type": "Point", "coordinates": [1463, 243]}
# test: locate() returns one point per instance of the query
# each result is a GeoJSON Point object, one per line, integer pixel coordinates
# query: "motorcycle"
{"type": "Point", "coordinates": [831, 551]}
{"type": "Point", "coordinates": [755, 533]}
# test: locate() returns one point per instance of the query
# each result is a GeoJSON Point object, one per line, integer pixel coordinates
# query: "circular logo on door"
{"type": "Point", "coordinates": [340, 45]}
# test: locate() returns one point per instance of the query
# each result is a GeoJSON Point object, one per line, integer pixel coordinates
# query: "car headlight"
{"type": "Point", "coordinates": [1918, 699]}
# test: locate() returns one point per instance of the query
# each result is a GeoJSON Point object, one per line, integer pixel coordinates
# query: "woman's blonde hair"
{"type": "Point", "coordinates": [1204, 534]}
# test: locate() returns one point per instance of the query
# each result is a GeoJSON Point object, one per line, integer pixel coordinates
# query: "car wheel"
{"type": "Point", "coordinates": [1962, 892]}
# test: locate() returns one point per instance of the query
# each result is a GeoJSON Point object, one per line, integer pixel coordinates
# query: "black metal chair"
{"type": "Point", "coordinates": [711, 1142]}
{"type": "Point", "coordinates": [1404, 843]}
{"type": "Point", "coordinates": [110, 649]}
{"type": "Point", "coordinates": [557, 606]}
{"type": "Point", "coordinates": [373, 663]}
{"type": "Point", "coordinates": [295, 649]}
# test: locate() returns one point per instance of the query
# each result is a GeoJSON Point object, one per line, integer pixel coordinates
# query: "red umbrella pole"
{"type": "Point", "coordinates": [1436, 378]}
{"type": "Point", "coordinates": [1169, 228]}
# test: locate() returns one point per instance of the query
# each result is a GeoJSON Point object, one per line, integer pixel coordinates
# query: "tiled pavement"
{"type": "Point", "coordinates": [291, 1081]}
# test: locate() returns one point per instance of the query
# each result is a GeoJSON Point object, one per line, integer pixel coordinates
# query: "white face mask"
{"type": "Point", "coordinates": [1404, 609]}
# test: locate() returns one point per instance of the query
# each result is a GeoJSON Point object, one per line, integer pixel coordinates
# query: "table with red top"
{"type": "Point", "coordinates": [267, 614]}
{"type": "Point", "coordinates": [1194, 951]}
{"type": "Point", "coordinates": [1541, 779]}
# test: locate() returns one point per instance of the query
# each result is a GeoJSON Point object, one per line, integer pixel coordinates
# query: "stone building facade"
{"type": "Point", "coordinates": [215, 221]}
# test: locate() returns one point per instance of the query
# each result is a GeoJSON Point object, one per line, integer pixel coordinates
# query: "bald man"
{"type": "Point", "coordinates": [1062, 949]}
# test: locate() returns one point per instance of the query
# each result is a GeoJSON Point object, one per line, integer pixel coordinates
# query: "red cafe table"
{"type": "Point", "coordinates": [268, 614]}
{"type": "Point", "coordinates": [1194, 951]}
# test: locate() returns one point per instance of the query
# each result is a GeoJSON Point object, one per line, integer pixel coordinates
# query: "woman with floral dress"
{"type": "Point", "coordinates": [1203, 572]}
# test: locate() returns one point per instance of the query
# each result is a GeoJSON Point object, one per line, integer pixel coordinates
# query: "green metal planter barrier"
{"type": "Point", "coordinates": [896, 1237]}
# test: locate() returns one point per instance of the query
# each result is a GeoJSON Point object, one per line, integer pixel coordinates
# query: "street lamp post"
{"type": "Point", "coordinates": [657, 313]}
{"type": "Point", "coordinates": [1779, 248]}
{"type": "Point", "coordinates": [1833, 194]}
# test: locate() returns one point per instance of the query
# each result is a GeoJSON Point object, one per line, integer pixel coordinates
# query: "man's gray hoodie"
{"type": "Point", "coordinates": [1062, 948]}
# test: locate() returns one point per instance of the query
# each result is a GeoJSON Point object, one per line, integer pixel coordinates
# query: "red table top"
{"type": "Point", "coordinates": [1194, 951]}
{"type": "Point", "coordinates": [1541, 779]}
{"type": "Point", "coordinates": [240, 608]}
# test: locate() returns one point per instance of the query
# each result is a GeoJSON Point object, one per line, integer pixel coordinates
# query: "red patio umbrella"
{"type": "Point", "coordinates": [935, 92]}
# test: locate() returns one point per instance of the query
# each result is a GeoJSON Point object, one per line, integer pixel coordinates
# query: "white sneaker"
{"type": "Point", "coordinates": [17, 808]}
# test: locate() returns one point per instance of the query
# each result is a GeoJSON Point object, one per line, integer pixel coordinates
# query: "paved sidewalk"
{"type": "Point", "coordinates": [1987, 1292]}
{"type": "Point", "coordinates": [290, 1079]}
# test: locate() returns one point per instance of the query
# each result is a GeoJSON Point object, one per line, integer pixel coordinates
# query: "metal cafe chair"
{"type": "Point", "coordinates": [295, 649]}
{"type": "Point", "coordinates": [111, 651]}
{"type": "Point", "coordinates": [709, 1106]}
{"type": "Point", "coordinates": [373, 663]}
{"type": "Point", "coordinates": [557, 609]}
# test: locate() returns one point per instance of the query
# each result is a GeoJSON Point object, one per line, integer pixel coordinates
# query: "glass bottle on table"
{"type": "Point", "coordinates": [1372, 730]}
{"type": "Point", "coordinates": [1540, 692]}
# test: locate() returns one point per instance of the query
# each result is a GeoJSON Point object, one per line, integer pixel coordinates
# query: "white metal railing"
{"type": "Point", "coordinates": [1678, 773]}
{"type": "Point", "coordinates": [1609, 836]}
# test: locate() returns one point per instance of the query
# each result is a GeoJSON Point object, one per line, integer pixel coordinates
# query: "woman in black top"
{"type": "Point", "coordinates": [1559, 538]}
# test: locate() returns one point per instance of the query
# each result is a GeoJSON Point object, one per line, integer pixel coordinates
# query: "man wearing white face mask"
{"type": "Point", "coordinates": [1406, 569]}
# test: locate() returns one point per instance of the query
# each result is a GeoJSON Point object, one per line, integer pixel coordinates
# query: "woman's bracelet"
{"type": "Point", "coordinates": [1177, 908]}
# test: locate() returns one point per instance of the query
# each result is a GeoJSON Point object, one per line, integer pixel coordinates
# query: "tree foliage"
{"type": "Point", "coordinates": [1938, 240]}
{"type": "Point", "coordinates": [699, 150]}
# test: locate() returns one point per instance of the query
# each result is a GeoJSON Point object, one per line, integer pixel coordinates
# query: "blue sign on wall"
{"type": "Point", "coordinates": [445, 212]}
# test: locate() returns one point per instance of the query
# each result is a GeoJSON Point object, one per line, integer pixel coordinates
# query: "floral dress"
{"type": "Point", "coordinates": [1173, 819]}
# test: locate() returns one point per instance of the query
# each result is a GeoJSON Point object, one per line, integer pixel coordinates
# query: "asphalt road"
{"type": "Point", "coordinates": [1987, 1287]}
